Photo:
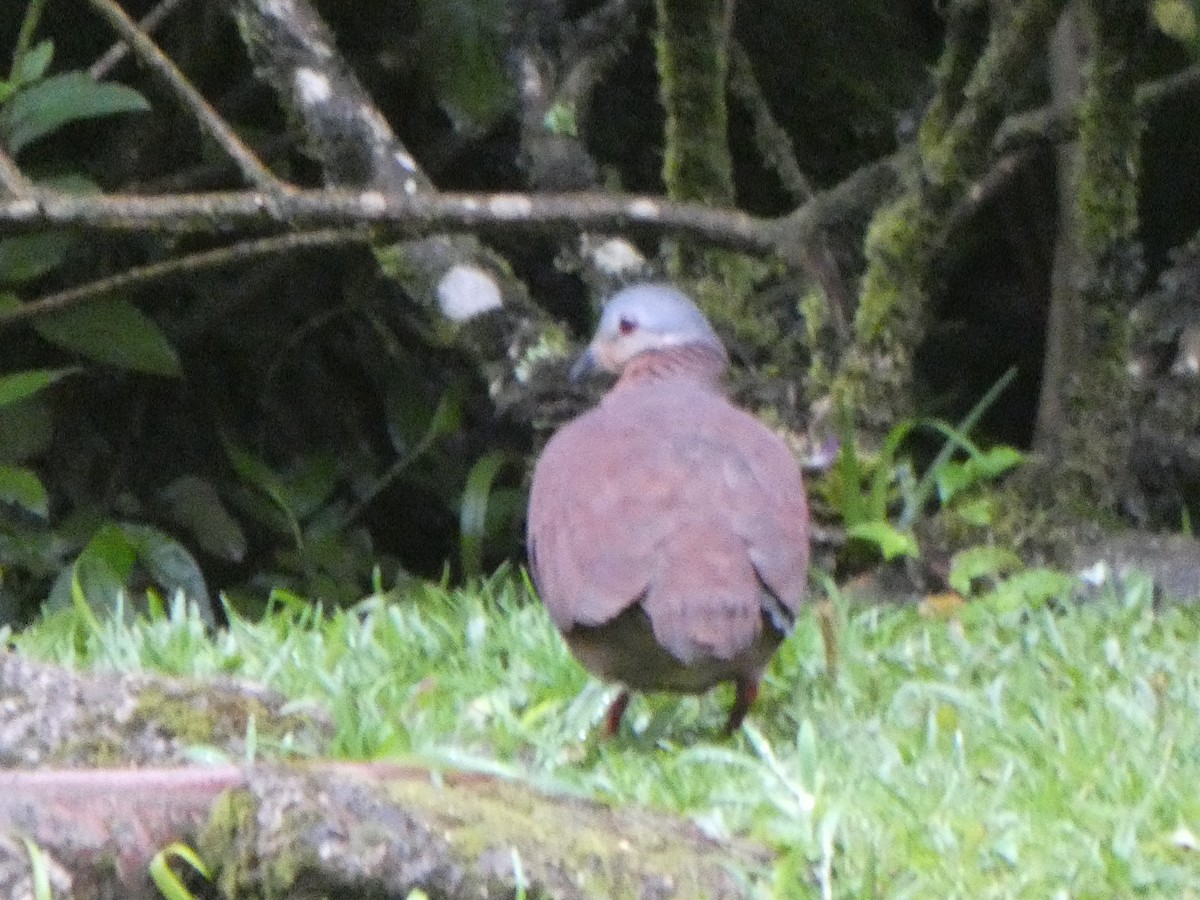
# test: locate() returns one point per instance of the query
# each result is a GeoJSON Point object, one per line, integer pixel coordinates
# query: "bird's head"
{"type": "Point", "coordinates": [641, 319]}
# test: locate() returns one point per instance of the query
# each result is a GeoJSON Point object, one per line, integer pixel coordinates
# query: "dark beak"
{"type": "Point", "coordinates": [584, 366]}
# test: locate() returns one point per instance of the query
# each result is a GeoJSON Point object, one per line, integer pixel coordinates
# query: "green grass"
{"type": "Point", "coordinates": [1038, 753]}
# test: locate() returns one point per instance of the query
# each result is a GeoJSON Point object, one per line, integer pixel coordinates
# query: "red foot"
{"type": "Point", "coordinates": [747, 691]}
{"type": "Point", "coordinates": [612, 722]}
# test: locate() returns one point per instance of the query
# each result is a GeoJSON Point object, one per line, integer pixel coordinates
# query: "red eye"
{"type": "Point", "coordinates": [626, 327]}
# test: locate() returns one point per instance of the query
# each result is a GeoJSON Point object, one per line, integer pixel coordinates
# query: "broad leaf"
{"type": "Point", "coordinates": [463, 51]}
{"type": "Point", "coordinates": [26, 428]}
{"type": "Point", "coordinates": [46, 106]}
{"type": "Point", "coordinates": [22, 488]}
{"type": "Point", "coordinates": [114, 332]}
{"type": "Point", "coordinates": [195, 505]}
{"type": "Point", "coordinates": [20, 385]}
{"type": "Point", "coordinates": [891, 541]}
{"type": "Point", "coordinates": [97, 577]}
{"type": "Point", "coordinates": [26, 257]}
{"type": "Point", "coordinates": [33, 63]}
{"type": "Point", "coordinates": [170, 565]}
{"type": "Point", "coordinates": [473, 512]}
{"type": "Point", "coordinates": [983, 562]}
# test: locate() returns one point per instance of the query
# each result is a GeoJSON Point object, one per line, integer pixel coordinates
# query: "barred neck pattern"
{"type": "Point", "coordinates": [703, 362]}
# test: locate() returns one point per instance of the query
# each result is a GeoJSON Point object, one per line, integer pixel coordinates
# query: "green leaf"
{"type": "Point", "coordinates": [33, 63]}
{"type": "Point", "coordinates": [891, 541]}
{"type": "Point", "coordinates": [22, 488]}
{"type": "Point", "coordinates": [39, 870]}
{"type": "Point", "coordinates": [1177, 19]}
{"type": "Point", "coordinates": [978, 511]}
{"type": "Point", "coordinates": [472, 518]}
{"type": "Point", "coordinates": [1027, 589]}
{"type": "Point", "coordinates": [195, 505]}
{"type": "Point", "coordinates": [20, 385]}
{"type": "Point", "coordinates": [310, 484]}
{"type": "Point", "coordinates": [169, 884]}
{"type": "Point", "coordinates": [111, 547]}
{"type": "Point", "coordinates": [954, 477]}
{"type": "Point", "coordinates": [981, 562]}
{"type": "Point", "coordinates": [560, 119]}
{"type": "Point", "coordinates": [998, 460]}
{"type": "Point", "coordinates": [70, 183]}
{"type": "Point", "coordinates": [263, 478]}
{"type": "Point", "coordinates": [170, 565]}
{"type": "Point", "coordinates": [97, 577]}
{"type": "Point", "coordinates": [26, 428]}
{"type": "Point", "coordinates": [114, 332]}
{"type": "Point", "coordinates": [26, 257]}
{"type": "Point", "coordinates": [463, 49]}
{"type": "Point", "coordinates": [46, 106]}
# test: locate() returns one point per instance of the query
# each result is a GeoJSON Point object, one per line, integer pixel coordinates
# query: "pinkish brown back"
{"type": "Point", "coordinates": [667, 528]}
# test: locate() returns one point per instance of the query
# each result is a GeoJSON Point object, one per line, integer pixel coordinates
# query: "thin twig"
{"type": "Point", "coordinates": [206, 261]}
{"type": "Point", "coordinates": [1048, 124]}
{"type": "Point", "coordinates": [11, 178]}
{"type": "Point", "coordinates": [774, 143]}
{"type": "Point", "coordinates": [1150, 95]}
{"type": "Point", "coordinates": [147, 51]}
{"type": "Point", "coordinates": [117, 51]}
{"type": "Point", "coordinates": [593, 46]}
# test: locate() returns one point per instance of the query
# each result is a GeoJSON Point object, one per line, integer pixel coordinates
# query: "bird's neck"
{"type": "Point", "coordinates": [701, 362]}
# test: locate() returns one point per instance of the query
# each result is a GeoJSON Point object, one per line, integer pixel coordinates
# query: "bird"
{"type": "Point", "coordinates": [667, 529]}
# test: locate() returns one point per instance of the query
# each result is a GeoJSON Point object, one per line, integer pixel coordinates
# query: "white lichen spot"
{"type": "Point", "coordinates": [510, 206]}
{"type": "Point", "coordinates": [410, 186]}
{"type": "Point", "coordinates": [615, 256]}
{"type": "Point", "coordinates": [1187, 358]}
{"type": "Point", "coordinates": [643, 209]}
{"type": "Point", "coordinates": [467, 291]}
{"type": "Point", "coordinates": [531, 78]}
{"type": "Point", "coordinates": [372, 202]}
{"type": "Point", "coordinates": [23, 209]}
{"type": "Point", "coordinates": [312, 86]}
{"type": "Point", "coordinates": [470, 205]}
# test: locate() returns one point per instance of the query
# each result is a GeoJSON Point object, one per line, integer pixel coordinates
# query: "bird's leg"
{"type": "Point", "coordinates": [747, 691]}
{"type": "Point", "coordinates": [612, 722]}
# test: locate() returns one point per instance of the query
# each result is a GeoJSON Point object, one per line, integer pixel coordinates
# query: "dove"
{"type": "Point", "coordinates": [667, 530]}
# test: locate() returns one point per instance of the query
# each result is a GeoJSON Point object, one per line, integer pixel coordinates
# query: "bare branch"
{"type": "Point", "coordinates": [390, 214]}
{"type": "Point", "coordinates": [147, 51]}
{"type": "Point", "coordinates": [194, 263]}
{"type": "Point", "coordinates": [774, 144]}
{"type": "Point", "coordinates": [1054, 125]}
{"type": "Point", "coordinates": [117, 52]}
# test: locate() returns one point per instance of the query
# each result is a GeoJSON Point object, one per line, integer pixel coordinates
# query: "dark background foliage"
{"type": "Point", "coordinates": [321, 424]}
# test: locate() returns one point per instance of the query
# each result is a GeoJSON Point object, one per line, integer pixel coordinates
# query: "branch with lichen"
{"type": "Point", "coordinates": [294, 51]}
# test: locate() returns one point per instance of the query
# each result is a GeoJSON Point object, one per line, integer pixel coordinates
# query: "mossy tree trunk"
{"type": "Point", "coordinates": [982, 69]}
{"type": "Point", "coordinates": [1083, 435]}
{"type": "Point", "coordinates": [693, 64]}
